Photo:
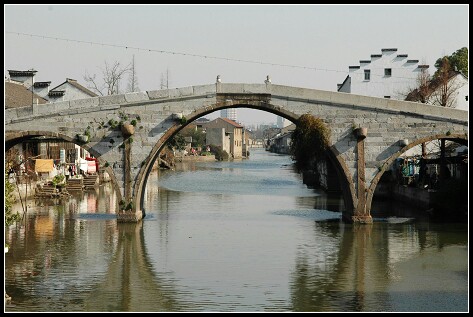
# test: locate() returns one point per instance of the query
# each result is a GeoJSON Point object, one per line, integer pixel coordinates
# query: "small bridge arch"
{"type": "Point", "coordinates": [11, 139]}
{"type": "Point", "coordinates": [458, 138]}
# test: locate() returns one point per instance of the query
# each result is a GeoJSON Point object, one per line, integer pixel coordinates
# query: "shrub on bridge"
{"type": "Point", "coordinates": [309, 141]}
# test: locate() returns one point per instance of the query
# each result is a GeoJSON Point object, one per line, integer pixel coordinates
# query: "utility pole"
{"type": "Point", "coordinates": [32, 86]}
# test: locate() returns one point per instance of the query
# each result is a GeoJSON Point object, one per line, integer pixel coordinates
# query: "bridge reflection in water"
{"type": "Point", "coordinates": [68, 259]}
{"type": "Point", "coordinates": [359, 275]}
{"type": "Point", "coordinates": [130, 272]}
{"type": "Point", "coordinates": [345, 286]}
{"type": "Point", "coordinates": [383, 267]}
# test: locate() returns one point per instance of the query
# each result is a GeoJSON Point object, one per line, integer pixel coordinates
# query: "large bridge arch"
{"type": "Point", "coordinates": [458, 138]}
{"type": "Point", "coordinates": [12, 139]}
{"type": "Point", "coordinates": [261, 104]}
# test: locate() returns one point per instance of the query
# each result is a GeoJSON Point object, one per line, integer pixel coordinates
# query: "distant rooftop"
{"type": "Point", "coordinates": [22, 72]}
{"type": "Point", "coordinates": [74, 83]}
{"type": "Point", "coordinates": [17, 95]}
{"type": "Point", "coordinates": [365, 61]}
{"type": "Point", "coordinates": [236, 125]}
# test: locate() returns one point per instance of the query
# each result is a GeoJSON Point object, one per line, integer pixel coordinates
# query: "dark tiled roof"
{"type": "Point", "coordinates": [389, 50]}
{"type": "Point", "coordinates": [42, 84]}
{"type": "Point", "coordinates": [22, 72]}
{"type": "Point", "coordinates": [402, 55]}
{"type": "Point", "coordinates": [17, 95]}
{"type": "Point", "coordinates": [341, 85]}
{"type": "Point", "coordinates": [56, 93]}
{"type": "Point", "coordinates": [200, 120]}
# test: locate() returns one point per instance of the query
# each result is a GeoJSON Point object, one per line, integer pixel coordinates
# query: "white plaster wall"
{"type": "Point", "coordinates": [402, 79]}
{"type": "Point", "coordinates": [27, 81]}
{"type": "Point", "coordinates": [42, 91]}
{"type": "Point", "coordinates": [71, 92]}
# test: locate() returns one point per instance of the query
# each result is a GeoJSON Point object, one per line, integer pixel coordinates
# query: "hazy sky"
{"type": "Point", "coordinates": [329, 38]}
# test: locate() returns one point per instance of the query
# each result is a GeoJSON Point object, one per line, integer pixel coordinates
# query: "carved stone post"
{"type": "Point", "coordinates": [127, 171]}
{"type": "Point", "coordinates": [129, 214]}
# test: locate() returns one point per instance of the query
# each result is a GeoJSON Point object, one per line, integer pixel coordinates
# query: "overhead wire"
{"type": "Point", "coordinates": [171, 52]}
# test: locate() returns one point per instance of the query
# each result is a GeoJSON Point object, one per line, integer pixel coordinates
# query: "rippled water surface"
{"type": "Point", "coordinates": [230, 236]}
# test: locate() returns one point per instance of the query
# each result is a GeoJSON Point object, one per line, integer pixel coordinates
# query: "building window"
{"type": "Point", "coordinates": [387, 72]}
{"type": "Point", "coordinates": [367, 74]}
{"type": "Point", "coordinates": [387, 97]}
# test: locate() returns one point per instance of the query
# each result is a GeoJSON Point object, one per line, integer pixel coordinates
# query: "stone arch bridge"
{"type": "Point", "coordinates": [160, 114]}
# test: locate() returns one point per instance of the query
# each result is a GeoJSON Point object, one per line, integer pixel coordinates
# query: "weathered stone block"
{"type": "Point", "coordinates": [136, 96]}
{"type": "Point", "coordinates": [45, 109]}
{"type": "Point", "coordinates": [207, 90]}
{"type": "Point", "coordinates": [181, 92]}
{"type": "Point", "coordinates": [112, 100]}
{"type": "Point", "coordinates": [24, 112]}
{"type": "Point", "coordinates": [84, 103]}
{"type": "Point", "coordinates": [158, 94]}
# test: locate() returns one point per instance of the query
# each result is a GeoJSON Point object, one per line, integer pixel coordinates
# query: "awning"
{"type": "Point", "coordinates": [43, 165]}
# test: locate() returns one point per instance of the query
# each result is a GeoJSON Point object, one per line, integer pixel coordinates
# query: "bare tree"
{"type": "Point", "coordinates": [423, 83]}
{"type": "Point", "coordinates": [445, 87]}
{"type": "Point", "coordinates": [441, 90]}
{"type": "Point", "coordinates": [165, 79]}
{"type": "Point", "coordinates": [112, 76]}
{"type": "Point", "coordinates": [133, 79]}
{"type": "Point", "coordinates": [422, 90]}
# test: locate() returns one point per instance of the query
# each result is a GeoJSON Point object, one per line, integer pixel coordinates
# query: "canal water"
{"type": "Point", "coordinates": [243, 236]}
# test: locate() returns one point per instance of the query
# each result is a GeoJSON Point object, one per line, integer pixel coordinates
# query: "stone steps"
{"type": "Point", "coordinates": [74, 184]}
{"type": "Point", "coordinates": [91, 181]}
{"type": "Point", "coordinates": [49, 191]}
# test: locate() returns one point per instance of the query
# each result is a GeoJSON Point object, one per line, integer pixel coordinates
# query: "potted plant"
{"type": "Point", "coordinates": [83, 138]}
{"type": "Point", "coordinates": [127, 129]}
{"type": "Point", "coordinates": [403, 142]}
{"type": "Point", "coordinates": [59, 180]}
